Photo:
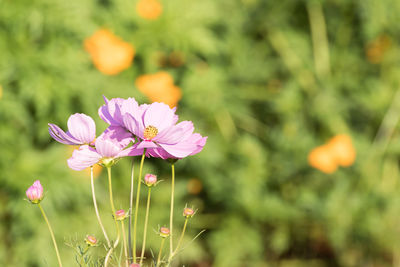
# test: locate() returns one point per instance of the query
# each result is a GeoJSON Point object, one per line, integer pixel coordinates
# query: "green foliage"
{"type": "Point", "coordinates": [265, 80]}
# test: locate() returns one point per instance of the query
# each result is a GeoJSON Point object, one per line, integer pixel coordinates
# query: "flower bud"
{"type": "Point", "coordinates": [150, 179]}
{"type": "Point", "coordinates": [120, 215]}
{"type": "Point", "coordinates": [35, 192]}
{"type": "Point", "coordinates": [188, 212]}
{"type": "Point", "coordinates": [91, 240]}
{"type": "Point", "coordinates": [164, 232]}
{"type": "Point", "coordinates": [134, 265]}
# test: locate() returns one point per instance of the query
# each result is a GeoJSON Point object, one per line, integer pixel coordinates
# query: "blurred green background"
{"type": "Point", "coordinates": [267, 81]}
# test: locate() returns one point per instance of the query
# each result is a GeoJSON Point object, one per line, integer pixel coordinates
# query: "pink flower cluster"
{"type": "Point", "coordinates": [133, 130]}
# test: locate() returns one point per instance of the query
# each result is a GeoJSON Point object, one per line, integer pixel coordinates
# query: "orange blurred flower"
{"type": "Point", "coordinates": [194, 186]}
{"type": "Point", "coordinates": [159, 87]}
{"type": "Point", "coordinates": [376, 49]}
{"type": "Point", "coordinates": [109, 53]}
{"type": "Point", "coordinates": [338, 151]}
{"type": "Point", "coordinates": [97, 169]}
{"type": "Point", "coordinates": [322, 159]}
{"type": "Point", "coordinates": [149, 9]}
{"type": "Point", "coordinates": [174, 59]}
{"type": "Point", "coordinates": [342, 150]}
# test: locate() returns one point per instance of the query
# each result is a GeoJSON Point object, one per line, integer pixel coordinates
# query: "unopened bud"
{"type": "Point", "coordinates": [120, 215]}
{"type": "Point", "coordinates": [188, 212]}
{"type": "Point", "coordinates": [35, 193]}
{"type": "Point", "coordinates": [164, 232]}
{"type": "Point", "coordinates": [134, 265]}
{"type": "Point", "coordinates": [150, 179]}
{"type": "Point", "coordinates": [91, 240]}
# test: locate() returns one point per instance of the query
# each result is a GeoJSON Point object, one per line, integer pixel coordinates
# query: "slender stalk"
{"type": "Point", "coordinates": [130, 213]}
{"type": "Point", "coordinates": [115, 220]}
{"type": "Point", "coordinates": [51, 233]}
{"type": "Point", "coordinates": [319, 39]}
{"type": "Point", "coordinates": [125, 246]}
{"type": "Point", "coordinates": [145, 226]}
{"type": "Point", "coordinates": [120, 256]}
{"type": "Point", "coordinates": [160, 252]}
{"type": "Point", "coordinates": [179, 242]}
{"type": "Point", "coordinates": [83, 255]}
{"type": "Point", "coordinates": [96, 209]}
{"type": "Point", "coordinates": [182, 234]}
{"type": "Point", "coordinates": [171, 215]}
{"type": "Point", "coordinates": [137, 205]}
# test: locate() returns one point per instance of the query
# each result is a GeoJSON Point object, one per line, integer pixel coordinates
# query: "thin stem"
{"type": "Point", "coordinates": [125, 246]}
{"type": "Point", "coordinates": [130, 213]}
{"type": "Point", "coordinates": [51, 233]}
{"type": "Point", "coordinates": [145, 226]}
{"type": "Point", "coordinates": [115, 220]}
{"type": "Point", "coordinates": [171, 216]}
{"type": "Point", "coordinates": [110, 191]}
{"type": "Point", "coordinates": [319, 39]}
{"type": "Point", "coordinates": [160, 252]}
{"type": "Point", "coordinates": [137, 205]}
{"type": "Point", "coordinates": [83, 255]}
{"type": "Point", "coordinates": [182, 234]}
{"type": "Point", "coordinates": [120, 256]}
{"type": "Point", "coordinates": [179, 242]}
{"type": "Point", "coordinates": [96, 209]}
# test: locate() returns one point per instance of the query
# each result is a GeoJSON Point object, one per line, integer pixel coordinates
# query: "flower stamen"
{"type": "Point", "coordinates": [150, 132]}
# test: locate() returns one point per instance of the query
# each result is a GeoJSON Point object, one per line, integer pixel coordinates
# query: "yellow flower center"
{"type": "Point", "coordinates": [150, 132]}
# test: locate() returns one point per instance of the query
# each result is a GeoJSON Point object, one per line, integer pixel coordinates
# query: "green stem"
{"type": "Point", "coordinates": [182, 234]}
{"type": "Point", "coordinates": [113, 213]}
{"type": "Point", "coordinates": [125, 246]}
{"type": "Point", "coordinates": [160, 252]}
{"type": "Point", "coordinates": [130, 214]}
{"type": "Point", "coordinates": [96, 209]}
{"type": "Point", "coordinates": [137, 205]}
{"type": "Point", "coordinates": [51, 233]}
{"type": "Point", "coordinates": [171, 215]}
{"type": "Point", "coordinates": [83, 254]}
{"type": "Point", "coordinates": [179, 242]}
{"type": "Point", "coordinates": [145, 226]}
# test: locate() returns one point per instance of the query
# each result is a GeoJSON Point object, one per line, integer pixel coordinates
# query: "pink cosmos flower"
{"type": "Point", "coordinates": [81, 130]}
{"type": "Point", "coordinates": [164, 232]}
{"type": "Point", "coordinates": [155, 126]}
{"type": "Point", "coordinates": [91, 240]}
{"type": "Point", "coordinates": [150, 179]}
{"type": "Point", "coordinates": [35, 192]}
{"type": "Point", "coordinates": [113, 110]}
{"type": "Point", "coordinates": [109, 146]}
{"type": "Point", "coordinates": [120, 215]}
{"type": "Point", "coordinates": [194, 141]}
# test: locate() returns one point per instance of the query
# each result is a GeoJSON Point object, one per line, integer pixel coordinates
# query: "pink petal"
{"type": "Point", "coordinates": [187, 127]}
{"type": "Point", "coordinates": [83, 158]}
{"type": "Point", "coordinates": [179, 150]}
{"type": "Point", "coordinates": [159, 115]}
{"type": "Point", "coordinates": [118, 135]}
{"type": "Point", "coordinates": [82, 127]}
{"type": "Point", "coordinates": [176, 133]}
{"type": "Point", "coordinates": [171, 135]}
{"type": "Point", "coordinates": [199, 141]}
{"type": "Point", "coordinates": [107, 148]}
{"type": "Point", "coordinates": [62, 137]}
{"type": "Point", "coordinates": [133, 125]}
{"type": "Point", "coordinates": [129, 106]}
{"type": "Point", "coordinates": [131, 151]}
{"type": "Point", "coordinates": [146, 144]}
{"type": "Point", "coordinates": [158, 153]}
